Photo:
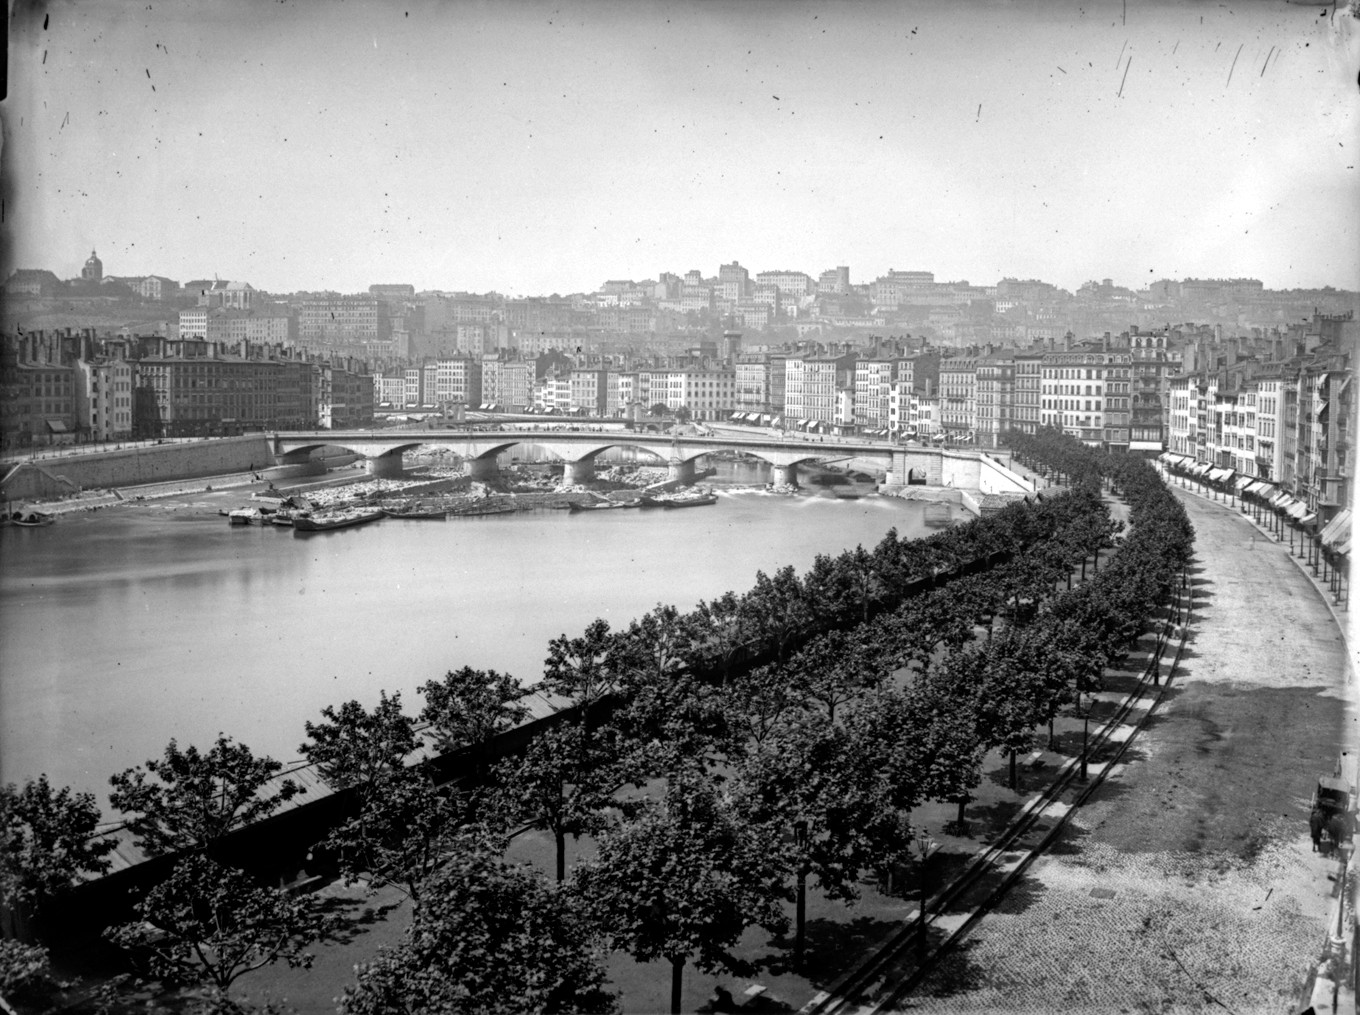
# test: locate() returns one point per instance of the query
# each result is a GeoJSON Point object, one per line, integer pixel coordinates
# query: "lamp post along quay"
{"type": "Point", "coordinates": [926, 847]}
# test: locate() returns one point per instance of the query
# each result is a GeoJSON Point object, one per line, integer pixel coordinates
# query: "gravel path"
{"type": "Point", "coordinates": [1189, 884]}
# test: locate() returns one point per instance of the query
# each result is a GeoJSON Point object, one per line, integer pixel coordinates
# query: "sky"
{"type": "Point", "coordinates": [532, 148]}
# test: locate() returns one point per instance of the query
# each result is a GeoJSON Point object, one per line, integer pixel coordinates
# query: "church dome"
{"type": "Point", "coordinates": [94, 268]}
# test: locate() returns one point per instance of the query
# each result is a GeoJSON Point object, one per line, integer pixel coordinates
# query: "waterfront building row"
{"type": "Point", "coordinates": [61, 387]}
{"type": "Point", "coordinates": [1290, 421]}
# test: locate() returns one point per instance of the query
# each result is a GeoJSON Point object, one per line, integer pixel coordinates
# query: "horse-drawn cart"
{"type": "Point", "coordinates": [1332, 813]}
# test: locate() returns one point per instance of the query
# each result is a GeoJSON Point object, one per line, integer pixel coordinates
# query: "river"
{"type": "Point", "coordinates": [125, 627]}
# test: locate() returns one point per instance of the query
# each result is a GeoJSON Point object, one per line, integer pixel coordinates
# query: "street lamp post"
{"type": "Point", "coordinates": [800, 832]}
{"type": "Point", "coordinates": [925, 848]}
{"type": "Point", "coordinates": [1085, 736]}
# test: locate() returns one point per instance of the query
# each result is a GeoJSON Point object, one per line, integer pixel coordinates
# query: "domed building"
{"type": "Point", "coordinates": [93, 270]}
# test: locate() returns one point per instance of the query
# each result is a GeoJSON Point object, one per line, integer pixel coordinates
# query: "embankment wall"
{"type": "Point", "coordinates": [134, 466]}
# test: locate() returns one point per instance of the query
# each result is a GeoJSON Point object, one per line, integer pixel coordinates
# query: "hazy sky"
{"type": "Point", "coordinates": [537, 147]}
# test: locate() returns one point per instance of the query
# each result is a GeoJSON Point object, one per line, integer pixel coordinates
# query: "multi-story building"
{"type": "Point", "coordinates": [834, 281]}
{"type": "Point", "coordinates": [793, 284]}
{"type": "Point", "coordinates": [1154, 362]}
{"type": "Point", "coordinates": [552, 391]}
{"type": "Point", "coordinates": [995, 398]}
{"type": "Point", "coordinates": [709, 393]}
{"type": "Point", "coordinates": [914, 412]}
{"type": "Point", "coordinates": [874, 378]}
{"type": "Point", "coordinates": [156, 287]}
{"type": "Point", "coordinates": [760, 383]}
{"type": "Point", "coordinates": [507, 382]}
{"type": "Point", "coordinates": [103, 397]}
{"type": "Point", "coordinates": [343, 323]}
{"type": "Point", "coordinates": [458, 379]}
{"type": "Point", "coordinates": [389, 389]}
{"type": "Point", "coordinates": [589, 390]}
{"type": "Point", "coordinates": [734, 282]}
{"type": "Point", "coordinates": [811, 384]}
{"type": "Point", "coordinates": [1087, 392]}
{"type": "Point", "coordinates": [620, 392]}
{"type": "Point", "coordinates": [958, 395]}
{"type": "Point", "coordinates": [37, 392]}
{"type": "Point", "coordinates": [1029, 371]}
{"type": "Point", "coordinates": [261, 326]}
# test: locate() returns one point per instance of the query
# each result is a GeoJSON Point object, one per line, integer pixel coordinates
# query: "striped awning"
{"type": "Point", "coordinates": [1241, 483]}
{"type": "Point", "coordinates": [1219, 475]}
{"type": "Point", "coordinates": [1338, 528]}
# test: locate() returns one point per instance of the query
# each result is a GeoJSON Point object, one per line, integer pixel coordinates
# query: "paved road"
{"type": "Point", "coordinates": [1189, 884]}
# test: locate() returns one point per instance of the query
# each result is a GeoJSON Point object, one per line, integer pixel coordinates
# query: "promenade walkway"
{"type": "Point", "coordinates": [1188, 883]}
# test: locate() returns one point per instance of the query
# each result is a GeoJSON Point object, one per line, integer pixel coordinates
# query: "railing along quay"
{"type": "Point", "coordinates": [904, 961]}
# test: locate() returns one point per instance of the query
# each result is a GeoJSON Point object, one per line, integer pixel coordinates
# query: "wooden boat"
{"type": "Point", "coordinates": [417, 513]}
{"type": "Point", "coordinates": [31, 519]}
{"type": "Point", "coordinates": [246, 516]}
{"type": "Point", "coordinates": [599, 505]}
{"type": "Point", "coordinates": [696, 500]}
{"type": "Point", "coordinates": [506, 509]}
{"type": "Point", "coordinates": [334, 520]}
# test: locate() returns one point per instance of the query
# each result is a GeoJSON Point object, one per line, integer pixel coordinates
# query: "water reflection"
{"type": "Point", "coordinates": [122, 628]}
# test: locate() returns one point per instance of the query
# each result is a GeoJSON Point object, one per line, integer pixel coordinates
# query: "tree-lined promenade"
{"type": "Point", "coordinates": [775, 738]}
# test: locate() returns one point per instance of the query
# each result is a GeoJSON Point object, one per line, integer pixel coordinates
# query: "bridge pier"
{"type": "Point", "coordinates": [484, 470]}
{"type": "Point", "coordinates": [579, 472]}
{"type": "Point", "coordinates": [785, 475]}
{"type": "Point", "coordinates": [681, 472]}
{"type": "Point", "coordinates": [388, 466]}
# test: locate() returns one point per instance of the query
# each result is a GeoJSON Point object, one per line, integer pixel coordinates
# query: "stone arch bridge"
{"type": "Point", "coordinates": [967, 469]}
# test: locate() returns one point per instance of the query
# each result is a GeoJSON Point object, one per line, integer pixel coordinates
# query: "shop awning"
{"type": "Point", "coordinates": [1219, 475]}
{"type": "Point", "coordinates": [1241, 483]}
{"type": "Point", "coordinates": [57, 426]}
{"type": "Point", "coordinates": [1338, 528]}
{"type": "Point", "coordinates": [1145, 445]}
{"type": "Point", "coordinates": [1297, 510]}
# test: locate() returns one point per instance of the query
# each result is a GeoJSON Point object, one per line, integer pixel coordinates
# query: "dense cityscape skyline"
{"type": "Point", "coordinates": [538, 149]}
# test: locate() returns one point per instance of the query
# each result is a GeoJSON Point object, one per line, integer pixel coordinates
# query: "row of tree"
{"type": "Point", "coordinates": [783, 734]}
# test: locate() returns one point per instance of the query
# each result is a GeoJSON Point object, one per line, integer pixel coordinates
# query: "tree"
{"type": "Point", "coordinates": [47, 843]}
{"type": "Point", "coordinates": [207, 923]}
{"type": "Point", "coordinates": [560, 784]}
{"type": "Point", "coordinates": [723, 631]}
{"type": "Point", "coordinates": [759, 701]}
{"type": "Point", "coordinates": [666, 709]}
{"type": "Point", "coordinates": [810, 781]}
{"type": "Point", "coordinates": [779, 610]}
{"type": "Point", "coordinates": [683, 882]}
{"type": "Point", "coordinates": [189, 800]}
{"type": "Point", "coordinates": [354, 746]}
{"type": "Point", "coordinates": [833, 668]}
{"type": "Point", "coordinates": [660, 409]}
{"type": "Point", "coordinates": [403, 831]}
{"type": "Point", "coordinates": [490, 938]}
{"type": "Point", "coordinates": [468, 708]}
{"type": "Point", "coordinates": [576, 668]}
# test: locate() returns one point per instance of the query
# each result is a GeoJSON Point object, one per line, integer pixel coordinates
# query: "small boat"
{"type": "Point", "coordinates": [416, 513]}
{"type": "Point", "coordinates": [334, 520]}
{"type": "Point", "coordinates": [475, 510]}
{"type": "Point", "coordinates": [696, 500]}
{"type": "Point", "coordinates": [599, 505]}
{"type": "Point", "coordinates": [31, 519]}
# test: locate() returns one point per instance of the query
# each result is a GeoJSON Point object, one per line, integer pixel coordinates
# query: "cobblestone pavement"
{"type": "Point", "coordinates": [1189, 883]}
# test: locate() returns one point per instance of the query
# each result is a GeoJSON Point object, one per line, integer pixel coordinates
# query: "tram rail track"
{"type": "Point", "coordinates": [903, 962]}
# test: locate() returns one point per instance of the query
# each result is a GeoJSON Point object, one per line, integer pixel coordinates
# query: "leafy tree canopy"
{"type": "Point", "coordinates": [188, 799]}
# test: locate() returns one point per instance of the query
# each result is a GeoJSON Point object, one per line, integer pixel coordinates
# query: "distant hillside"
{"type": "Point", "coordinates": [45, 315]}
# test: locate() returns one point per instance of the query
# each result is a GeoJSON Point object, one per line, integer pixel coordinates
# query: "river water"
{"type": "Point", "coordinates": [122, 628]}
